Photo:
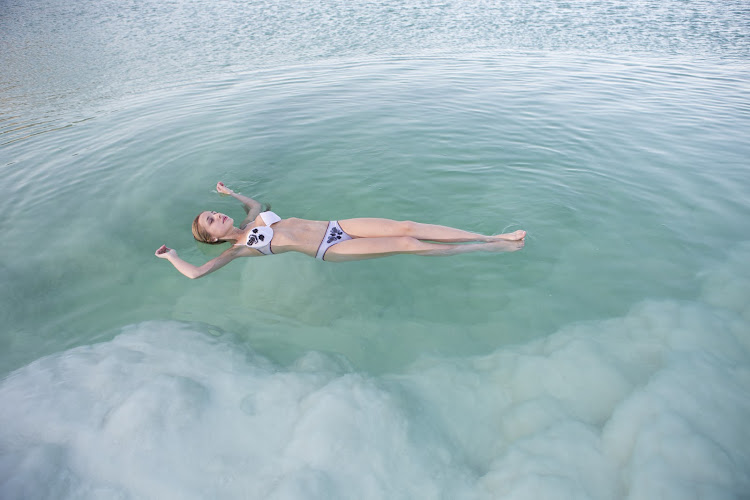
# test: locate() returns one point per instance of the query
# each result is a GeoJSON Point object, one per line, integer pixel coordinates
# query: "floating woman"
{"type": "Point", "coordinates": [265, 233]}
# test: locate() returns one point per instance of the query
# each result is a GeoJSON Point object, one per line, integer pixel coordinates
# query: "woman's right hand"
{"type": "Point", "coordinates": [222, 189]}
{"type": "Point", "coordinates": [163, 252]}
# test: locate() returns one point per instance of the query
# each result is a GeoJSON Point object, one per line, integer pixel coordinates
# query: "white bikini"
{"type": "Point", "coordinates": [334, 234]}
{"type": "Point", "coordinates": [260, 237]}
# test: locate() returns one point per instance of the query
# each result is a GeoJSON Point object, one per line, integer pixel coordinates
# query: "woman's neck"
{"type": "Point", "coordinates": [234, 235]}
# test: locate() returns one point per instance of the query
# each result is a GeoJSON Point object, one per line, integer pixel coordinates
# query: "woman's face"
{"type": "Point", "coordinates": [216, 224]}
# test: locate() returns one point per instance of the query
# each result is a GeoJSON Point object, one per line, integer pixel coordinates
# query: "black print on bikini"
{"type": "Point", "coordinates": [335, 235]}
{"type": "Point", "coordinates": [255, 237]}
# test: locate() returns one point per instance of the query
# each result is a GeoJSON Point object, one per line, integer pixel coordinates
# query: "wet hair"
{"type": "Point", "coordinates": [201, 235]}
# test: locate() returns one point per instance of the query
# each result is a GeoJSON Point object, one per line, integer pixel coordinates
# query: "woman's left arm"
{"type": "Point", "coordinates": [251, 206]}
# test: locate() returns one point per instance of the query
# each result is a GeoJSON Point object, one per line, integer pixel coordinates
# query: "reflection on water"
{"type": "Point", "coordinates": [69, 61]}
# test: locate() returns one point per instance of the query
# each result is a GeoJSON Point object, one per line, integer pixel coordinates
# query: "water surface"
{"type": "Point", "coordinates": [608, 359]}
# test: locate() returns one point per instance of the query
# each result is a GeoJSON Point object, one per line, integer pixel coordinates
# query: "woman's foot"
{"type": "Point", "coordinates": [504, 245]}
{"type": "Point", "coordinates": [514, 236]}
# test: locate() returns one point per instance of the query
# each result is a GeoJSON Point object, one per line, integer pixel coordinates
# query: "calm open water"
{"type": "Point", "coordinates": [609, 359]}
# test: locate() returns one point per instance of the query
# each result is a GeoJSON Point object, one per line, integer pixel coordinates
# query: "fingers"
{"type": "Point", "coordinates": [221, 188]}
{"type": "Point", "coordinates": [162, 250]}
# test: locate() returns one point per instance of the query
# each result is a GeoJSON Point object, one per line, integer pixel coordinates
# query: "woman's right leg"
{"type": "Point", "coordinates": [372, 248]}
{"type": "Point", "coordinates": [382, 228]}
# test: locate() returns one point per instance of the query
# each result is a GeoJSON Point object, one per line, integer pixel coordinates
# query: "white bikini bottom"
{"type": "Point", "coordinates": [334, 234]}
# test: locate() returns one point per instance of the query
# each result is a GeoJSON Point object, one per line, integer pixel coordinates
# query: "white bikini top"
{"type": "Point", "coordinates": [260, 237]}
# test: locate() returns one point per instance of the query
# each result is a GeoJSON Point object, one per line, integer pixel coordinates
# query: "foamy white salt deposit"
{"type": "Point", "coordinates": [655, 404]}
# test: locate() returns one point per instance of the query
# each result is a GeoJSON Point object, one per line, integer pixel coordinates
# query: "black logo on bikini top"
{"type": "Point", "coordinates": [254, 237]}
{"type": "Point", "coordinates": [334, 235]}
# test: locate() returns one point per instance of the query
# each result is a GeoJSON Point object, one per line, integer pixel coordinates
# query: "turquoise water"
{"type": "Point", "coordinates": [608, 359]}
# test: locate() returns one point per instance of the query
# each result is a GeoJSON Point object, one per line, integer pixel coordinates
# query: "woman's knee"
{"type": "Point", "coordinates": [399, 244]}
{"type": "Point", "coordinates": [409, 244]}
{"type": "Point", "coordinates": [408, 228]}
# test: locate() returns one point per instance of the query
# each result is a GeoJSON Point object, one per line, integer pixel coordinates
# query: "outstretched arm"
{"type": "Point", "coordinates": [251, 206]}
{"type": "Point", "coordinates": [193, 272]}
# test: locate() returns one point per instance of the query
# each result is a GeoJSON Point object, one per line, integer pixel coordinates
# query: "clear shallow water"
{"type": "Point", "coordinates": [608, 359]}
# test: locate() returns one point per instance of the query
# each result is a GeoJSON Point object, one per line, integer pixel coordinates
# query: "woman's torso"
{"type": "Point", "coordinates": [298, 235]}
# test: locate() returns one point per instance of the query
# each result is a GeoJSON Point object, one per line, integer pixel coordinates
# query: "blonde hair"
{"type": "Point", "coordinates": [201, 235]}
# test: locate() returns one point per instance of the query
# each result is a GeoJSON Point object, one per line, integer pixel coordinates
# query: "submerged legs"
{"type": "Point", "coordinates": [382, 228]}
{"type": "Point", "coordinates": [371, 248]}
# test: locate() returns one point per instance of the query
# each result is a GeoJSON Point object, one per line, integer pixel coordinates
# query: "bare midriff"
{"type": "Point", "coordinates": [299, 235]}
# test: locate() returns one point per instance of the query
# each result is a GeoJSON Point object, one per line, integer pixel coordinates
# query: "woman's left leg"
{"type": "Point", "coordinates": [385, 228]}
{"type": "Point", "coordinates": [372, 248]}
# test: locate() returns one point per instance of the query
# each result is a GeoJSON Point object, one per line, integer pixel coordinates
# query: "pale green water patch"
{"type": "Point", "coordinates": [626, 183]}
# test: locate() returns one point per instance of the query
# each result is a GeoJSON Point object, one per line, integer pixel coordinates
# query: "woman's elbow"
{"type": "Point", "coordinates": [194, 275]}
{"type": "Point", "coordinates": [199, 272]}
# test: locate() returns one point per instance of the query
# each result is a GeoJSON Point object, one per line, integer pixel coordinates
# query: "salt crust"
{"type": "Point", "coordinates": [652, 404]}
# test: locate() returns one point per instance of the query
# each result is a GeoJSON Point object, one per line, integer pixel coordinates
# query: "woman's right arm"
{"type": "Point", "coordinates": [251, 206]}
{"type": "Point", "coordinates": [194, 272]}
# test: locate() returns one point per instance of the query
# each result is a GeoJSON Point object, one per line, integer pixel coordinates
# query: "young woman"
{"type": "Point", "coordinates": [265, 233]}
